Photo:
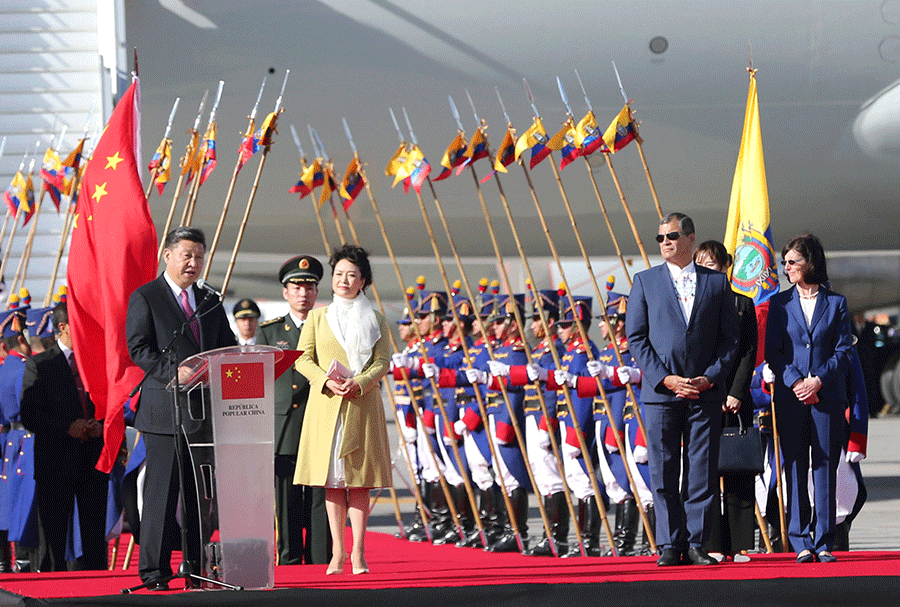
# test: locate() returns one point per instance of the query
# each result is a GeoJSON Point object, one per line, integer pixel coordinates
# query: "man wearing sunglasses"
{"type": "Point", "coordinates": [682, 328]}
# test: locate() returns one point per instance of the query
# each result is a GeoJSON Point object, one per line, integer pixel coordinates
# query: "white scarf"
{"type": "Point", "coordinates": [354, 324]}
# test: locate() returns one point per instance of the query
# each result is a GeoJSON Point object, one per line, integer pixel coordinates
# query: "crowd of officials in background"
{"type": "Point", "coordinates": [486, 415]}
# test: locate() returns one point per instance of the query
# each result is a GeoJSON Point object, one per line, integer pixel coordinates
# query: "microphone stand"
{"type": "Point", "coordinates": [185, 569]}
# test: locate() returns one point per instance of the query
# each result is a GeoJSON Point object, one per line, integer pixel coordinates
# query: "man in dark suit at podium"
{"type": "Point", "coordinates": [156, 312]}
{"type": "Point", "coordinates": [300, 511]}
{"type": "Point", "coordinates": [682, 329]}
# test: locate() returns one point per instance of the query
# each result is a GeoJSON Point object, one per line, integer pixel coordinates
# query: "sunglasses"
{"type": "Point", "coordinates": [670, 236]}
{"type": "Point", "coordinates": [792, 262]}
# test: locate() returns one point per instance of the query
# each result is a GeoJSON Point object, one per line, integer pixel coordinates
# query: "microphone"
{"type": "Point", "coordinates": [209, 288]}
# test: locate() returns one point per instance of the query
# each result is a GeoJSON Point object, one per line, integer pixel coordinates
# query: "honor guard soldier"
{"type": "Point", "coordinates": [458, 340]}
{"type": "Point", "coordinates": [612, 461]}
{"type": "Point", "coordinates": [471, 427]}
{"type": "Point", "coordinates": [574, 365]}
{"type": "Point", "coordinates": [544, 463]}
{"type": "Point", "coordinates": [511, 457]}
{"type": "Point", "coordinates": [246, 318]}
{"type": "Point", "coordinates": [303, 536]}
{"type": "Point", "coordinates": [18, 511]}
{"type": "Point", "coordinates": [427, 318]}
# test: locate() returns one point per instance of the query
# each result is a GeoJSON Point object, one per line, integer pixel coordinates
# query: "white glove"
{"type": "Point", "coordinates": [536, 372]}
{"type": "Point", "coordinates": [447, 439]}
{"type": "Point", "coordinates": [409, 435]}
{"type": "Point", "coordinates": [430, 370]}
{"type": "Point", "coordinates": [598, 369]}
{"type": "Point", "coordinates": [629, 375]}
{"type": "Point", "coordinates": [640, 455]}
{"type": "Point", "coordinates": [767, 374]}
{"type": "Point", "coordinates": [498, 369]}
{"type": "Point", "coordinates": [562, 377]}
{"type": "Point", "coordinates": [570, 451]}
{"type": "Point", "coordinates": [854, 457]}
{"type": "Point", "coordinates": [400, 360]}
{"type": "Point", "coordinates": [460, 428]}
{"type": "Point", "coordinates": [543, 441]}
{"type": "Point", "coordinates": [476, 376]}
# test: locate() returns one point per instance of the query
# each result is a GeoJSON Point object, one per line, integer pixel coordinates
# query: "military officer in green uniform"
{"type": "Point", "coordinates": [302, 524]}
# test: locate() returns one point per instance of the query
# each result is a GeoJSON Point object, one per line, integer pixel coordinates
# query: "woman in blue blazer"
{"type": "Point", "coordinates": [808, 344]}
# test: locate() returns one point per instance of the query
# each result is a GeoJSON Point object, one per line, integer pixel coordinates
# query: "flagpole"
{"type": "Point", "coordinates": [640, 146]}
{"type": "Point", "coordinates": [487, 342]}
{"type": "Point", "coordinates": [315, 206]}
{"type": "Point", "coordinates": [185, 165]}
{"type": "Point", "coordinates": [8, 213]}
{"type": "Point", "coordinates": [26, 251]}
{"type": "Point", "coordinates": [554, 444]}
{"type": "Point", "coordinates": [202, 161]}
{"type": "Point", "coordinates": [267, 136]}
{"type": "Point", "coordinates": [158, 168]}
{"type": "Point", "coordinates": [64, 236]}
{"type": "Point", "coordinates": [328, 170]}
{"type": "Point", "coordinates": [433, 381]}
{"type": "Point", "coordinates": [595, 486]}
{"type": "Point", "coordinates": [225, 205]}
{"type": "Point", "coordinates": [613, 423]}
{"type": "Point", "coordinates": [776, 447]}
{"type": "Point", "coordinates": [634, 230]}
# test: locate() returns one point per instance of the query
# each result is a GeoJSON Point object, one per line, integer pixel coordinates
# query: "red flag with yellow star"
{"type": "Point", "coordinates": [113, 252]}
{"type": "Point", "coordinates": [243, 380]}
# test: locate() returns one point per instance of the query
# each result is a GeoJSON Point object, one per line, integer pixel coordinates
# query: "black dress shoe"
{"type": "Point", "coordinates": [669, 558]}
{"type": "Point", "coordinates": [158, 587]}
{"type": "Point", "coordinates": [826, 557]}
{"type": "Point", "coordinates": [699, 556]}
{"type": "Point", "coordinates": [806, 557]}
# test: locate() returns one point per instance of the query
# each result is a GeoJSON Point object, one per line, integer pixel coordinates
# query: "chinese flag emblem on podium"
{"type": "Point", "coordinates": [243, 380]}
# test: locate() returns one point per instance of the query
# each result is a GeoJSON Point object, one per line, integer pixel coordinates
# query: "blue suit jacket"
{"type": "Point", "coordinates": [795, 350]}
{"type": "Point", "coordinates": [663, 344]}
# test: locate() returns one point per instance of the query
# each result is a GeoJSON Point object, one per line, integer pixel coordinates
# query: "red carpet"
{"type": "Point", "coordinates": [401, 564]}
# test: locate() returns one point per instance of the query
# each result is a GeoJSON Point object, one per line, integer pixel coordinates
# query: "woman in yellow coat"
{"type": "Point", "coordinates": [343, 443]}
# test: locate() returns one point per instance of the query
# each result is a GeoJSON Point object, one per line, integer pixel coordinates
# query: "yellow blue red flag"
{"type": "Point", "coordinates": [748, 235]}
{"type": "Point", "coordinates": [587, 135]}
{"type": "Point", "coordinates": [453, 157]}
{"type": "Point", "coordinates": [208, 153]}
{"type": "Point", "coordinates": [621, 131]}
{"type": "Point", "coordinates": [311, 178]}
{"type": "Point", "coordinates": [570, 151]}
{"type": "Point", "coordinates": [506, 154]}
{"type": "Point", "coordinates": [353, 182]}
{"type": "Point", "coordinates": [15, 193]}
{"type": "Point", "coordinates": [328, 183]}
{"type": "Point", "coordinates": [476, 151]}
{"type": "Point", "coordinates": [162, 164]}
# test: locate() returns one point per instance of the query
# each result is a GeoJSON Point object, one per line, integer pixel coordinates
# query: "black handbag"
{"type": "Point", "coordinates": [740, 450]}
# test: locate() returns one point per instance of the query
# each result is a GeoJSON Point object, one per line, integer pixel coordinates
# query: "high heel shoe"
{"type": "Point", "coordinates": [363, 568]}
{"type": "Point", "coordinates": [336, 569]}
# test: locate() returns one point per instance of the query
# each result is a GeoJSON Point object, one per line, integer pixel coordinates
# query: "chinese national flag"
{"type": "Point", "coordinates": [243, 380]}
{"type": "Point", "coordinates": [113, 252]}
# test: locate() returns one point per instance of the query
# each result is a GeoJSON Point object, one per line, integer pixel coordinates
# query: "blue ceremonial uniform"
{"type": "Point", "coordinates": [18, 460]}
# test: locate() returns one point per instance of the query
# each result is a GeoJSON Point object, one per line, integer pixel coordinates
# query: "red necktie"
{"type": "Point", "coordinates": [82, 394]}
{"type": "Point", "coordinates": [188, 312]}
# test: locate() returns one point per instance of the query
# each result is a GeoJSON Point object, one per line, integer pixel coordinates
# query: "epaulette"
{"type": "Point", "coordinates": [272, 321]}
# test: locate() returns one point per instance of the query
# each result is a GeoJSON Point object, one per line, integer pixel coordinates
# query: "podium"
{"type": "Point", "coordinates": [229, 425]}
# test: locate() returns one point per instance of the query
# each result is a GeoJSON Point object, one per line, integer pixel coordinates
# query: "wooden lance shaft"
{"type": "Point", "coordinates": [153, 175]}
{"type": "Point", "coordinates": [434, 383]}
{"type": "Point", "coordinates": [63, 238]}
{"type": "Point", "coordinates": [634, 230]}
{"type": "Point", "coordinates": [520, 437]}
{"type": "Point", "coordinates": [188, 214]}
{"type": "Point", "coordinates": [645, 520]}
{"type": "Point", "coordinates": [162, 241]}
{"type": "Point", "coordinates": [436, 394]}
{"type": "Point", "coordinates": [554, 443]}
{"type": "Point", "coordinates": [570, 406]}
{"type": "Point", "coordinates": [470, 493]}
{"type": "Point", "coordinates": [12, 234]}
{"type": "Point", "coordinates": [612, 234]}
{"type": "Point", "coordinates": [776, 437]}
{"type": "Point", "coordinates": [22, 268]}
{"type": "Point", "coordinates": [640, 147]}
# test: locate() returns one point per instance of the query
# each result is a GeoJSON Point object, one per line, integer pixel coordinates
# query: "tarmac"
{"type": "Point", "coordinates": [877, 527]}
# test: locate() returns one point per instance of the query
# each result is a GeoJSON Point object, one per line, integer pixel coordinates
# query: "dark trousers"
{"type": "Point", "coordinates": [56, 494]}
{"type": "Point", "coordinates": [159, 528]}
{"type": "Point", "coordinates": [811, 435]}
{"type": "Point", "coordinates": [303, 536]}
{"type": "Point", "coordinates": [697, 426]}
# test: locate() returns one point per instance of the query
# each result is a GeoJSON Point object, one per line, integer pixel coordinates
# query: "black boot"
{"type": "Point", "coordinates": [645, 549]}
{"type": "Point", "coordinates": [416, 532]}
{"type": "Point", "coordinates": [618, 530]}
{"type": "Point", "coordinates": [630, 520]}
{"type": "Point", "coordinates": [774, 538]}
{"type": "Point", "coordinates": [5, 553]}
{"type": "Point", "coordinates": [441, 520]}
{"type": "Point", "coordinates": [488, 515]}
{"type": "Point", "coordinates": [592, 527]}
{"type": "Point", "coordinates": [841, 537]}
{"type": "Point", "coordinates": [464, 516]}
{"type": "Point", "coordinates": [575, 550]}
{"type": "Point", "coordinates": [519, 501]}
{"type": "Point", "coordinates": [558, 516]}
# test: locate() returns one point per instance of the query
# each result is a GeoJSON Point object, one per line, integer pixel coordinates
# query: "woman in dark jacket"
{"type": "Point", "coordinates": [733, 534]}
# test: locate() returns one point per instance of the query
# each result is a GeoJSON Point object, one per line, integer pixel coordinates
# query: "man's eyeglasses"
{"type": "Point", "coordinates": [670, 236]}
